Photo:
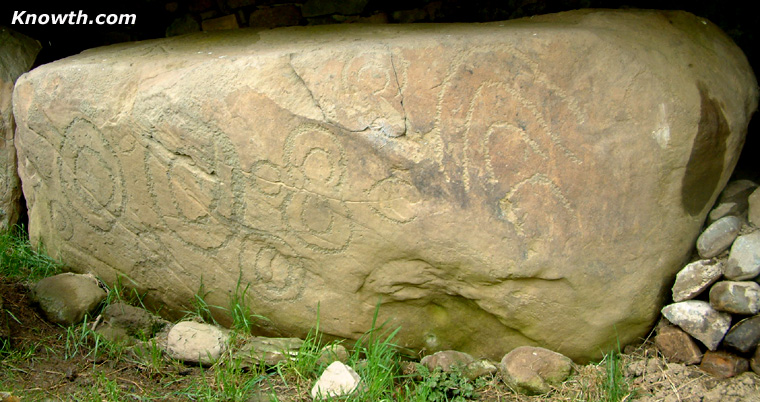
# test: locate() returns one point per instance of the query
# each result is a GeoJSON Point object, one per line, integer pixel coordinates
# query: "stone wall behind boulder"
{"type": "Point", "coordinates": [532, 182]}
{"type": "Point", "coordinates": [17, 53]}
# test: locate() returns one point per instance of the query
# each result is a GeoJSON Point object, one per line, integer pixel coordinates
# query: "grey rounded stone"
{"type": "Point", "coordinates": [479, 368]}
{"type": "Point", "coordinates": [724, 209]}
{"type": "Point", "coordinates": [136, 322]}
{"type": "Point", "coordinates": [736, 297]}
{"type": "Point", "coordinates": [194, 342]}
{"type": "Point", "coordinates": [718, 236]}
{"type": "Point", "coordinates": [337, 380]}
{"type": "Point", "coordinates": [268, 351]}
{"type": "Point", "coordinates": [744, 336]}
{"type": "Point", "coordinates": [754, 208]}
{"type": "Point", "coordinates": [733, 200]}
{"type": "Point", "coordinates": [445, 359]}
{"type": "Point", "coordinates": [699, 320]}
{"type": "Point", "coordinates": [695, 277]}
{"type": "Point", "coordinates": [66, 298]}
{"type": "Point", "coordinates": [533, 371]}
{"type": "Point", "coordinates": [754, 362]}
{"type": "Point", "coordinates": [332, 353]}
{"type": "Point", "coordinates": [744, 259]}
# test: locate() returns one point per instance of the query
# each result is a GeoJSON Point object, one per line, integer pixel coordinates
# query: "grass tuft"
{"type": "Point", "coordinates": [616, 387]}
{"type": "Point", "coordinates": [20, 261]}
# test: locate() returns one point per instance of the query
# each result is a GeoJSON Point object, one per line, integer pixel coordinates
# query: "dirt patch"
{"type": "Point", "coordinates": [654, 379]}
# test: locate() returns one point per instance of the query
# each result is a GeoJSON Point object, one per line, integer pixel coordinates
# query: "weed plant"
{"type": "Point", "coordinates": [440, 386]}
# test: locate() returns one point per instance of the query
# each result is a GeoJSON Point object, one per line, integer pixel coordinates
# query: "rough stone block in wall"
{"type": "Point", "coordinates": [17, 54]}
{"type": "Point", "coordinates": [274, 17]}
{"type": "Point", "coordinates": [221, 23]}
{"type": "Point", "coordinates": [531, 182]}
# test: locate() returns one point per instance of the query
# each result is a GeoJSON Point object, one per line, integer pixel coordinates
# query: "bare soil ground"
{"type": "Point", "coordinates": [46, 362]}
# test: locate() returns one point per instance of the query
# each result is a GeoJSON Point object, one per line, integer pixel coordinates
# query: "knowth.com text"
{"type": "Point", "coordinates": [71, 18]}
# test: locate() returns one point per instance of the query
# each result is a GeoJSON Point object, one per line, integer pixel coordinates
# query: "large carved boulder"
{"type": "Point", "coordinates": [532, 182]}
{"type": "Point", "coordinates": [17, 53]}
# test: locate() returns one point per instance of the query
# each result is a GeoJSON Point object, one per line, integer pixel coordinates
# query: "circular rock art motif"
{"type": "Point", "coordinates": [184, 200]}
{"type": "Point", "coordinates": [321, 224]}
{"type": "Point", "coordinates": [315, 160]}
{"type": "Point", "coordinates": [394, 199]}
{"type": "Point", "coordinates": [267, 184]}
{"type": "Point", "coordinates": [369, 71]}
{"type": "Point", "coordinates": [91, 176]}
{"type": "Point", "coordinates": [274, 276]}
{"type": "Point", "coordinates": [314, 212]}
{"type": "Point", "coordinates": [191, 169]}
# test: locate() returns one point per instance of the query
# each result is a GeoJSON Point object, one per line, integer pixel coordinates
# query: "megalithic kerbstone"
{"type": "Point", "coordinates": [529, 182]}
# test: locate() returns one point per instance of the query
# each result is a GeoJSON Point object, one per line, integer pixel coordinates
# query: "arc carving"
{"type": "Point", "coordinates": [501, 122]}
{"type": "Point", "coordinates": [186, 163]}
{"type": "Point", "coordinates": [273, 275]}
{"type": "Point", "coordinates": [85, 153]}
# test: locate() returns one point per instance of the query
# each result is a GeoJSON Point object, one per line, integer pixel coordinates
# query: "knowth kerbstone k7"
{"type": "Point", "coordinates": [530, 182]}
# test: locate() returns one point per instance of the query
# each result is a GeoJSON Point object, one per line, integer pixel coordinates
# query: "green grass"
{"type": "Point", "coordinates": [616, 388]}
{"type": "Point", "coordinates": [377, 361]}
{"type": "Point", "coordinates": [200, 307]}
{"type": "Point", "coordinates": [20, 261]}
{"type": "Point", "coordinates": [239, 309]}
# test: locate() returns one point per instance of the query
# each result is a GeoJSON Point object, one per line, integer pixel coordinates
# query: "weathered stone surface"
{"type": "Point", "coordinates": [532, 371]}
{"type": "Point", "coordinates": [445, 359]}
{"type": "Point", "coordinates": [753, 214]}
{"type": "Point", "coordinates": [695, 277]}
{"type": "Point", "coordinates": [220, 23]}
{"type": "Point", "coordinates": [116, 334]}
{"type": "Point", "coordinates": [17, 53]}
{"type": "Point", "coordinates": [744, 258]}
{"type": "Point", "coordinates": [331, 353]}
{"type": "Point", "coordinates": [754, 362]}
{"type": "Point", "coordinates": [736, 297]}
{"type": "Point", "coordinates": [337, 380]}
{"type": "Point", "coordinates": [497, 178]}
{"type": "Point", "coordinates": [479, 368]}
{"type": "Point", "coordinates": [744, 336]}
{"type": "Point", "coordinates": [66, 298]}
{"type": "Point", "coordinates": [724, 209]}
{"type": "Point", "coordinates": [733, 200]}
{"type": "Point", "coordinates": [268, 351]}
{"type": "Point", "coordinates": [719, 236]}
{"type": "Point", "coordinates": [136, 322]}
{"type": "Point", "coordinates": [195, 342]}
{"type": "Point", "coordinates": [723, 364]}
{"type": "Point", "coordinates": [677, 346]}
{"type": "Point", "coordinates": [699, 320]}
